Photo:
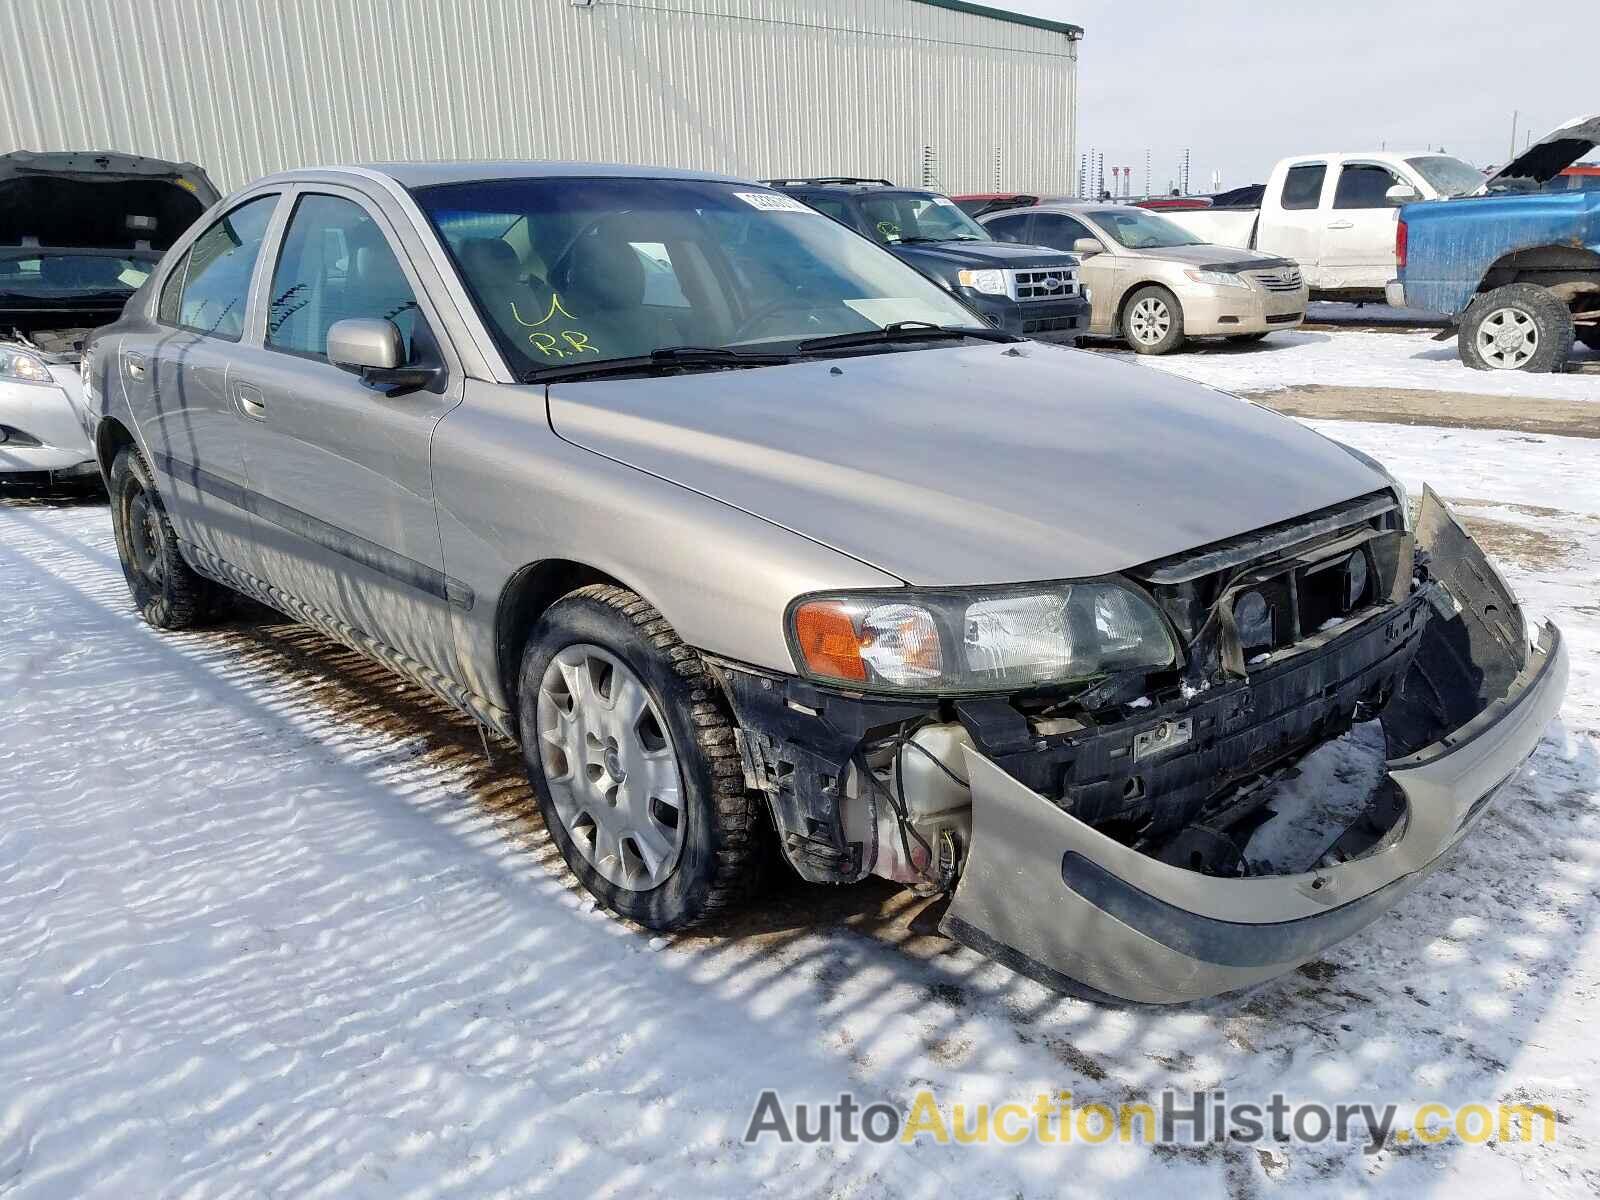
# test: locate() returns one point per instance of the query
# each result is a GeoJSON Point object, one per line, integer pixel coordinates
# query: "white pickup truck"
{"type": "Point", "coordinates": [1334, 214]}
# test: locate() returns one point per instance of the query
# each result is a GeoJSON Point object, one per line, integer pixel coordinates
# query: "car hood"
{"type": "Point", "coordinates": [1213, 257]}
{"type": "Point", "coordinates": [955, 255]}
{"type": "Point", "coordinates": [1549, 156]}
{"type": "Point", "coordinates": [963, 465]}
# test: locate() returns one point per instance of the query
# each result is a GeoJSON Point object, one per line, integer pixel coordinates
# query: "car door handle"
{"type": "Point", "coordinates": [251, 402]}
{"type": "Point", "coordinates": [134, 364]}
{"type": "Point", "coordinates": [1341, 225]}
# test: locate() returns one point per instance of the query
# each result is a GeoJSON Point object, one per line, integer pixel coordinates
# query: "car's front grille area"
{"type": "Point", "coordinates": [1050, 325]}
{"type": "Point", "coordinates": [1287, 280]}
{"type": "Point", "coordinates": [1285, 318]}
{"type": "Point", "coordinates": [1044, 284]}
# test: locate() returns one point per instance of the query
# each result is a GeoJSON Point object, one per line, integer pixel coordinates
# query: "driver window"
{"type": "Point", "coordinates": [1058, 231]}
{"type": "Point", "coordinates": [1363, 185]}
{"type": "Point", "coordinates": [336, 263]}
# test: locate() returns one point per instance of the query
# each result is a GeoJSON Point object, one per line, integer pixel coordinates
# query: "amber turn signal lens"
{"type": "Point", "coordinates": [826, 635]}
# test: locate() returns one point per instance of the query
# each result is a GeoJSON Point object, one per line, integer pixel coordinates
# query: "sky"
{"type": "Point", "coordinates": [1244, 84]}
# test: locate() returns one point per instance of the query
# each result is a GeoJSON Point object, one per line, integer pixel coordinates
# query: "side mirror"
{"type": "Point", "coordinates": [1088, 246]}
{"type": "Point", "coordinates": [1402, 193]}
{"type": "Point", "coordinates": [373, 349]}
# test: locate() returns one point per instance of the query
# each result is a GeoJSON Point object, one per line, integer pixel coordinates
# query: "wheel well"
{"type": "Point", "coordinates": [1570, 272]}
{"type": "Point", "coordinates": [111, 436]}
{"type": "Point", "coordinates": [531, 591]}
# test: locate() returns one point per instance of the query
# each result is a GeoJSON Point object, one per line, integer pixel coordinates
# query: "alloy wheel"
{"type": "Point", "coordinates": [1149, 320]}
{"type": "Point", "coordinates": [1507, 339]}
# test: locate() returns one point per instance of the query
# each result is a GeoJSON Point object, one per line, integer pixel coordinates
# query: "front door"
{"type": "Point", "coordinates": [342, 475]}
{"type": "Point", "coordinates": [1358, 246]}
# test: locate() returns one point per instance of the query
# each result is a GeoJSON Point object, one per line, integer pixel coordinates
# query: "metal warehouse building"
{"type": "Point", "coordinates": [940, 92]}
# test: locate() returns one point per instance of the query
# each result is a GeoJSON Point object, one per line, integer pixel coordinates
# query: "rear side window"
{"type": "Point", "coordinates": [1363, 185]}
{"type": "Point", "coordinates": [216, 284]}
{"type": "Point", "coordinates": [1008, 229]}
{"type": "Point", "coordinates": [1302, 188]}
{"type": "Point", "coordinates": [172, 294]}
{"type": "Point", "coordinates": [336, 263]}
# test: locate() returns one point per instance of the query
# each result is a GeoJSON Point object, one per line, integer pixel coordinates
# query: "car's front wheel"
{"type": "Point", "coordinates": [168, 592]}
{"type": "Point", "coordinates": [631, 754]}
{"type": "Point", "coordinates": [1518, 327]}
{"type": "Point", "coordinates": [1153, 321]}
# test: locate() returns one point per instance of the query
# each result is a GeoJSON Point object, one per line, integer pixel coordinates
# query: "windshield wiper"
{"type": "Point", "coordinates": [665, 361]}
{"type": "Point", "coordinates": [906, 331]}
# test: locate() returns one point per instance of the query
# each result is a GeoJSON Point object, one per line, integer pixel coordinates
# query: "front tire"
{"type": "Point", "coordinates": [1519, 327]}
{"type": "Point", "coordinates": [631, 754]}
{"type": "Point", "coordinates": [1152, 321]}
{"type": "Point", "coordinates": [165, 589]}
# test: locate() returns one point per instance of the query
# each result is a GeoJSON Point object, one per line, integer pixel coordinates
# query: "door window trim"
{"type": "Point", "coordinates": [1396, 176]}
{"type": "Point", "coordinates": [185, 256]}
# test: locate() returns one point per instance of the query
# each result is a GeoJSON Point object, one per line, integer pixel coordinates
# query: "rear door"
{"type": "Point", "coordinates": [1292, 217]}
{"type": "Point", "coordinates": [176, 380]}
{"type": "Point", "coordinates": [341, 472]}
{"type": "Point", "coordinates": [1358, 245]}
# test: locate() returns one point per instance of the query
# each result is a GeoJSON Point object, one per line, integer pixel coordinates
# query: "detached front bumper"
{"type": "Point", "coordinates": [1054, 898]}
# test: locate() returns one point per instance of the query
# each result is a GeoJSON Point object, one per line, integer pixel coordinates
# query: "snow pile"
{"type": "Point", "coordinates": [1356, 359]}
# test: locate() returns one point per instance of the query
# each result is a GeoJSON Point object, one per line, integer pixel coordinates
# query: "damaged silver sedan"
{"type": "Point", "coordinates": [747, 531]}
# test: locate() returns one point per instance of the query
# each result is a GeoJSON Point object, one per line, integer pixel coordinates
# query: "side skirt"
{"type": "Point", "coordinates": [448, 690]}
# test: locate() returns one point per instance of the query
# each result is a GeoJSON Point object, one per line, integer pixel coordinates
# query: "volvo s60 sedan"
{"type": "Point", "coordinates": [750, 534]}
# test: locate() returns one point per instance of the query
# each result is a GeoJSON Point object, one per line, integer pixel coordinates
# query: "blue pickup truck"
{"type": "Point", "coordinates": [1518, 269]}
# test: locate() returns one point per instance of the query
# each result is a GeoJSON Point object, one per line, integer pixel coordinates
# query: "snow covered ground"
{"type": "Point", "coordinates": [1359, 359]}
{"type": "Point", "coordinates": [270, 925]}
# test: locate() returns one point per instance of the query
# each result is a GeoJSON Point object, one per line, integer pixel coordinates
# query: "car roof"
{"type": "Point", "coordinates": [427, 174]}
{"type": "Point", "coordinates": [1075, 207]}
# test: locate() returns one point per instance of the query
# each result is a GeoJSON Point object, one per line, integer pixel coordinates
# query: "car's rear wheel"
{"type": "Point", "coordinates": [1153, 321]}
{"type": "Point", "coordinates": [166, 590]}
{"type": "Point", "coordinates": [631, 754]}
{"type": "Point", "coordinates": [1519, 327]}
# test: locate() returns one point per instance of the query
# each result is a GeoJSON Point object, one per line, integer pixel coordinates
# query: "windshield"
{"type": "Point", "coordinates": [64, 276]}
{"type": "Point", "coordinates": [919, 217]}
{"type": "Point", "coordinates": [1138, 229]}
{"type": "Point", "coordinates": [1447, 175]}
{"type": "Point", "coordinates": [570, 270]}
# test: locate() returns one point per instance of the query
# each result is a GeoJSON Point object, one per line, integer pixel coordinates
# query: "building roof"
{"type": "Point", "coordinates": [1000, 14]}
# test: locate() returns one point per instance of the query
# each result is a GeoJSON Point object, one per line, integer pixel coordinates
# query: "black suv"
{"type": "Point", "coordinates": [1029, 290]}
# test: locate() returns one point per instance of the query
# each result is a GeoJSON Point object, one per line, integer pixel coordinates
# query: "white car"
{"type": "Point", "coordinates": [79, 233]}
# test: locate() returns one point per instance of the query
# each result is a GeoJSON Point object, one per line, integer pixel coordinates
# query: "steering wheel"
{"type": "Point", "coordinates": [785, 304]}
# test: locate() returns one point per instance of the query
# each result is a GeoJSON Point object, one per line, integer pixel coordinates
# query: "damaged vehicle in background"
{"type": "Point", "coordinates": [800, 548]}
{"type": "Point", "coordinates": [79, 232]}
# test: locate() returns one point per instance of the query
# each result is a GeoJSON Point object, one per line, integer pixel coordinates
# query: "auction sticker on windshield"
{"type": "Point", "coordinates": [775, 202]}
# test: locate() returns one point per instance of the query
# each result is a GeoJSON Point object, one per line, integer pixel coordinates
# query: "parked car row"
{"type": "Point", "coordinates": [761, 543]}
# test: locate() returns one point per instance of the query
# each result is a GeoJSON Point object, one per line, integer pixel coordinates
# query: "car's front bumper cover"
{"type": "Point", "coordinates": [1054, 898]}
{"type": "Point", "coordinates": [53, 440]}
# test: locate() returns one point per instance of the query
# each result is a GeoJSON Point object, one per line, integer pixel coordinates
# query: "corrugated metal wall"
{"type": "Point", "coordinates": [751, 87]}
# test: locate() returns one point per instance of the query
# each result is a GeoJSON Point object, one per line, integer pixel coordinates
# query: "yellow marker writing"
{"type": "Point", "coordinates": [555, 307]}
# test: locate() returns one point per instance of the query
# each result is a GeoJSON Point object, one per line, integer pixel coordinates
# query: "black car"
{"type": "Point", "coordinates": [1028, 290]}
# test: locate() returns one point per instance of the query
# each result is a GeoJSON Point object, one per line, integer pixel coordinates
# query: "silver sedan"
{"type": "Point", "coordinates": [1153, 284]}
{"type": "Point", "coordinates": [747, 532]}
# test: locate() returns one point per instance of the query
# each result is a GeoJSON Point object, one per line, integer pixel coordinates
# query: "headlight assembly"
{"type": "Point", "coordinates": [978, 639]}
{"type": "Point", "coordinates": [989, 282]}
{"type": "Point", "coordinates": [18, 366]}
{"type": "Point", "coordinates": [1217, 278]}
